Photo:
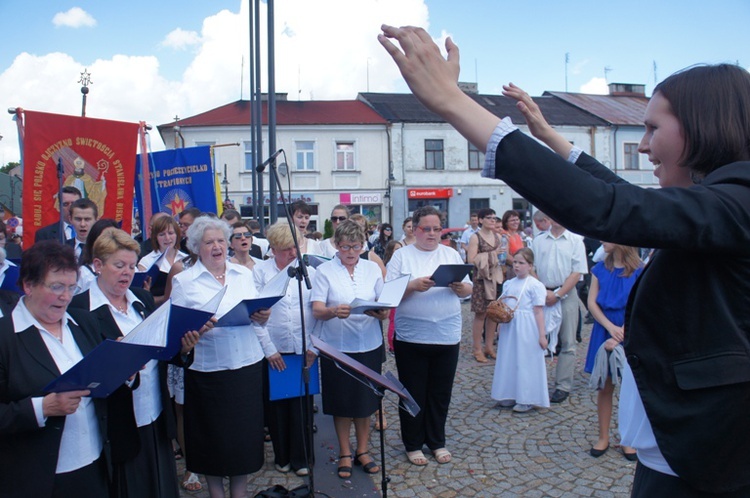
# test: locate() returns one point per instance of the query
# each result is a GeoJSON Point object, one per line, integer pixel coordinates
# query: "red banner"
{"type": "Point", "coordinates": [98, 158]}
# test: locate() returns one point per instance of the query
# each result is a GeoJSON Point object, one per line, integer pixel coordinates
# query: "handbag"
{"type": "Point", "coordinates": [498, 311]}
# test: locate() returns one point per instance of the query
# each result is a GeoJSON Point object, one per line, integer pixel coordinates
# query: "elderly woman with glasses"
{"type": "Point", "coordinates": [223, 386]}
{"type": "Point", "coordinates": [428, 333]}
{"type": "Point", "coordinates": [50, 444]}
{"type": "Point", "coordinates": [141, 421]}
{"type": "Point", "coordinates": [336, 284]}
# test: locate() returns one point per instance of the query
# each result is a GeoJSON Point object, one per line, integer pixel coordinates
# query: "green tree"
{"type": "Point", "coordinates": [327, 229]}
{"type": "Point", "coordinates": [6, 169]}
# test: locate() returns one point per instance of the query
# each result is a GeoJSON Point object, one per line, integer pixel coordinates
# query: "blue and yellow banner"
{"type": "Point", "coordinates": [179, 179]}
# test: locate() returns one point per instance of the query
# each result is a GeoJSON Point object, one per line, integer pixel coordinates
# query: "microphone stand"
{"type": "Point", "coordinates": [60, 199]}
{"type": "Point", "coordinates": [300, 273]}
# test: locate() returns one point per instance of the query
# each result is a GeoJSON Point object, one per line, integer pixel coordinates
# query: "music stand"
{"type": "Point", "coordinates": [379, 384]}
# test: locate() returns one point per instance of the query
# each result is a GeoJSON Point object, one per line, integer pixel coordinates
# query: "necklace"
{"type": "Point", "coordinates": [219, 277]}
{"type": "Point", "coordinates": [122, 309]}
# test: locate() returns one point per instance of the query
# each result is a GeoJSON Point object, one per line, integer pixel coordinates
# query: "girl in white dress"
{"type": "Point", "coordinates": [520, 372]}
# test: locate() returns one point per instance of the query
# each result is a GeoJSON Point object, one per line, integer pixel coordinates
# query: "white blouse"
{"type": "Point", "coordinates": [433, 316]}
{"type": "Point", "coordinates": [222, 348]}
{"type": "Point", "coordinates": [80, 443]}
{"type": "Point", "coordinates": [285, 324]}
{"type": "Point", "coordinates": [332, 286]}
{"type": "Point", "coordinates": [147, 396]}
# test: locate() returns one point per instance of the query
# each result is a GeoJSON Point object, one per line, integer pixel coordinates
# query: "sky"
{"type": "Point", "coordinates": [151, 61]}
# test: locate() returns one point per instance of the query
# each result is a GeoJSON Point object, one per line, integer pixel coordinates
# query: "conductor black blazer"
{"type": "Point", "coordinates": [29, 453]}
{"type": "Point", "coordinates": [687, 325]}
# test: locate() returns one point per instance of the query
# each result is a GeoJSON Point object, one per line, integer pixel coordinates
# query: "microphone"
{"type": "Point", "coordinates": [268, 161]}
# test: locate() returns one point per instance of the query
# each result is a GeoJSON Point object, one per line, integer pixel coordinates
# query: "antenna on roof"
{"type": "Point", "coordinates": [656, 78]}
{"type": "Point", "coordinates": [567, 60]}
{"type": "Point", "coordinates": [607, 70]}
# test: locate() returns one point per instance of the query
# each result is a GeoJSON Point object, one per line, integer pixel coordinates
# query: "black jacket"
{"type": "Point", "coordinates": [687, 326]}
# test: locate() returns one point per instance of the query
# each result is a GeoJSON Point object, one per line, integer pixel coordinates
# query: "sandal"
{"type": "Point", "coordinates": [479, 356]}
{"type": "Point", "coordinates": [192, 483]}
{"type": "Point", "coordinates": [442, 455]}
{"type": "Point", "coordinates": [344, 469]}
{"type": "Point", "coordinates": [491, 355]}
{"type": "Point", "coordinates": [417, 458]}
{"type": "Point", "coordinates": [370, 467]}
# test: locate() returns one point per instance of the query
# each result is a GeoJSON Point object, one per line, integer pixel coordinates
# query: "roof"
{"type": "Point", "coordinates": [404, 107]}
{"type": "Point", "coordinates": [318, 112]}
{"type": "Point", "coordinates": [623, 110]}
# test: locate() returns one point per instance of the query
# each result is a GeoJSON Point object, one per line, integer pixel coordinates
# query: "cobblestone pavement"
{"type": "Point", "coordinates": [495, 452]}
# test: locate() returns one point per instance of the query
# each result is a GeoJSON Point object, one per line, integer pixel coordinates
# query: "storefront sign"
{"type": "Point", "coordinates": [361, 198]}
{"type": "Point", "coordinates": [430, 193]}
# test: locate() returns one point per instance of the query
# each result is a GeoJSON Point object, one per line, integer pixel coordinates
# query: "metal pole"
{"type": "Point", "coordinates": [271, 106]}
{"type": "Point", "coordinates": [258, 118]}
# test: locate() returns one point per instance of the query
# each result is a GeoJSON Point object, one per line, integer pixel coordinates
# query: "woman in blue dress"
{"type": "Point", "coordinates": [611, 281]}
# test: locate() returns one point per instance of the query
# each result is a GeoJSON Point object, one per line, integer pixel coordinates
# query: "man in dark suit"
{"type": "Point", "coordinates": [83, 214]}
{"type": "Point", "coordinates": [52, 232]}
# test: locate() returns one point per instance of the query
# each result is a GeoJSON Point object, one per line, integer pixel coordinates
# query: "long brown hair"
{"type": "Point", "coordinates": [630, 259]}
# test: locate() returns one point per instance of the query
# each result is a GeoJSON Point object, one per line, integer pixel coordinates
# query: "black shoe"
{"type": "Point", "coordinates": [631, 457]}
{"type": "Point", "coordinates": [597, 453]}
{"type": "Point", "coordinates": [558, 396]}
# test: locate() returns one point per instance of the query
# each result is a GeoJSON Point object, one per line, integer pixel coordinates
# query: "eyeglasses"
{"type": "Point", "coordinates": [243, 235]}
{"type": "Point", "coordinates": [337, 218]}
{"type": "Point", "coordinates": [357, 247]}
{"type": "Point", "coordinates": [59, 289]}
{"type": "Point", "coordinates": [430, 229]}
{"type": "Point", "coordinates": [387, 229]}
{"type": "Point", "coordinates": [490, 218]}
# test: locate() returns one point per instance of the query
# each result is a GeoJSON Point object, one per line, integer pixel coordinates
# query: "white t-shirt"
{"type": "Point", "coordinates": [434, 316]}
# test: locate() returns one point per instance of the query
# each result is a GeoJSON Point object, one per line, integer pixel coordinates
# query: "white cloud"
{"type": "Point", "coordinates": [595, 86]}
{"type": "Point", "coordinates": [319, 55]}
{"type": "Point", "coordinates": [180, 39]}
{"type": "Point", "coordinates": [74, 18]}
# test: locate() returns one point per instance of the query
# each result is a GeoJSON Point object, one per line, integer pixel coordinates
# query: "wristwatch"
{"type": "Point", "coordinates": [558, 296]}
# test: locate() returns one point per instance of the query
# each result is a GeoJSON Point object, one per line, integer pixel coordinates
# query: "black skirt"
{"type": "Point", "coordinates": [224, 421]}
{"type": "Point", "coordinates": [345, 396]}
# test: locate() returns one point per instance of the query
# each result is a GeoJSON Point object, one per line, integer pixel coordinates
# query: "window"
{"type": "Point", "coordinates": [249, 157]}
{"type": "Point", "coordinates": [433, 154]}
{"type": "Point", "coordinates": [305, 155]}
{"type": "Point", "coordinates": [477, 204]}
{"type": "Point", "coordinates": [476, 158]}
{"type": "Point", "coordinates": [632, 160]}
{"type": "Point", "coordinates": [345, 156]}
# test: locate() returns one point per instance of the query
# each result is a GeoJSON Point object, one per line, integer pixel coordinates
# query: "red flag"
{"type": "Point", "coordinates": [98, 158]}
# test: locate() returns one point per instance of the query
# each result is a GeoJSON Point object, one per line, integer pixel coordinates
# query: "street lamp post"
{"type": "Point", "coordinates": [225, 183]}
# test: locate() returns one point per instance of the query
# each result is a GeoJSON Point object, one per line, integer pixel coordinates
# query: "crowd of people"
{"type": "Point", "coordinates": [683, 374]}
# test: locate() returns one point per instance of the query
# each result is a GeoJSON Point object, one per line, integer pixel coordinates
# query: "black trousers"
{"type": "Point", "coordinates": [427, 372]}
{"type": "Point", "coordinates": [649, 482]}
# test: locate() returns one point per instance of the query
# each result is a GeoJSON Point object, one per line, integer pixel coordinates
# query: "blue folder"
{"type": "Point", "coordinates": [289, 383]}
{"type": "Point", "coordinates": [112, 362]}
{"type": "Point", "coordinates": [240, 314]}
{"type": "Point", "coordinates": [140, 276]}
{"type": "Point", "coordinates": [447, 274]}
{"type": "Point", "coordinates": [104, 369]}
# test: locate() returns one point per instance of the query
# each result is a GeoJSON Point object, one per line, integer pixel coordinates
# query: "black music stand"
{"type": "Point", "coordinates": [379, 385]}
